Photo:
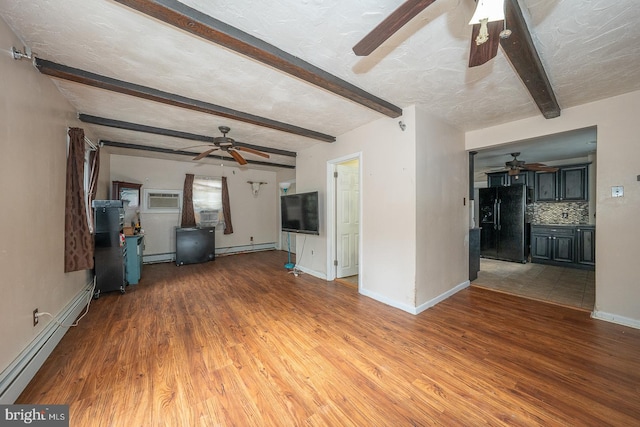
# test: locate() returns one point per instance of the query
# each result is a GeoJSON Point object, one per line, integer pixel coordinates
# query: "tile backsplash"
{"type": "Point", "coordinates": [558, 213]}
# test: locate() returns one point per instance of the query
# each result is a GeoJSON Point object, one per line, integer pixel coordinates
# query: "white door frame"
{"type": "Point", "coordinates": [331, 214]}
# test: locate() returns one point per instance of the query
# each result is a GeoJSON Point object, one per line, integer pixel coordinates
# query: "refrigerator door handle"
{"type": "Point", "coordinates": [499, 219]}
{"type": "Point", "coordinates": [495, 214]}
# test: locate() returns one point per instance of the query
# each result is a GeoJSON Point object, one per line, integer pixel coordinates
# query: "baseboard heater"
{"type": "Point", "coordinates": [15, 378]}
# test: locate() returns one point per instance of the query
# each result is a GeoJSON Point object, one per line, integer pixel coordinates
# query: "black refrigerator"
{"type": "Point", "coordinates": [502, 222]}
{"type": "Point", "coordinates": [109, 264]}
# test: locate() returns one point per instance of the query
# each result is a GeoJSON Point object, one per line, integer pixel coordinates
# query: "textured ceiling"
{"type": "Point", "coordinates": [589, 48]}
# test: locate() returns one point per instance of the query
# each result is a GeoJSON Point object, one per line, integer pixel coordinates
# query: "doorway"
{"type": "Point", "coordinates": [344, 213]}
{"type": "Point", "coordinates": [569, 150]}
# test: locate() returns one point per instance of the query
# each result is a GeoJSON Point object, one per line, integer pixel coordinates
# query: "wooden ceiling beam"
{"type": "Point", "coordinates": [390, 25]}
{"type": "Point", "coordinates": [522, 54]}
{"type": "Point", "coordinates": [195, 22]}
{"type": "Point", "coordinates": [101, 121]}
{"type": "Point", "coordinates": [96, 80]}
{"type": "Point", "coordinates": [187, 153]}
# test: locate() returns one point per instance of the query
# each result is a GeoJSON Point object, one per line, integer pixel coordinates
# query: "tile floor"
{"type": "Point", "coordinates": [559, 285]}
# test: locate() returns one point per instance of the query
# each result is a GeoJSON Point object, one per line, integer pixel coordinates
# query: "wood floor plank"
{"type": "Point", "coordinates": [239, 341]}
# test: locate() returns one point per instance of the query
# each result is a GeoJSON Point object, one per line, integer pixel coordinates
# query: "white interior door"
{"type": "Point", "coordinates": [347, 218]}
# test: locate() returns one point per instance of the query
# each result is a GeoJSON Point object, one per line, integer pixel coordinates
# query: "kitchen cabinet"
{"type": "Point", "coordinates": [569, 183]}
{"type": "Point", "coordinates": [552, 244]}
{"type": "Point", "coordinates": [546, 187]}
{"type": "Point", "coordinates": [497, 179]}
{"type": "Point", "coordinates": [566, 245]}
{"type": "Point", "coordinates": [503, 179]}
{"type": "Point", "coordinates": [586, 245]}
{"type": "Point", "coordinates": [133, 258]}
{"type": "Point", "coordinates": [573, 183]}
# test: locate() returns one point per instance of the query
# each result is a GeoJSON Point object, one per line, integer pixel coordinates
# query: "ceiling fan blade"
{"type": "Point", "coordinates": [238, 157]}
{"type": "Point", "coordinates": [403, 14]}
{"type": "Point", "coordinates": [204, 154]}
{"type": "Point", "coordinates": [479, 54]}
{"type": "Point", "coordinates": [252, 151]}
{"type": "Point", "coordinates": [191, 146]}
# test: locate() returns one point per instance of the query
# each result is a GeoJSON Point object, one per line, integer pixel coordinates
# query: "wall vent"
{"type": "Point", "coordinates": [162, 201]}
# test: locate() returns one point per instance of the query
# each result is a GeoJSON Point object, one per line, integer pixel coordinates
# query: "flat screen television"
{"type": "Point", "coordinates": [300, 213]}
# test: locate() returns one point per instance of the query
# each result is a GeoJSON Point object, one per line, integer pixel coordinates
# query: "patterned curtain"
{"type": "Point", "coordinates": [226, 207]}
{"type": "Point", "coordinates": [188, 215]}
{"type": "Point", "coordinates": [78, 244]}
{"type": "Point", "coordinates": [94, 161]}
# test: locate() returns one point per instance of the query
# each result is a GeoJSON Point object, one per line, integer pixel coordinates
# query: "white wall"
{"type": "Point", "coordinates": [617, 230]}
{"type": "Point", "coordinates": [34, 118]}
{"type": "Point", "coordinates": [414, 223]}
{"type": "Point", "coordinates": [442, 256]}
{"type": "Point", "coordinates": [251, 216]}
{"type": "Point", "coordinates": [388, 206]}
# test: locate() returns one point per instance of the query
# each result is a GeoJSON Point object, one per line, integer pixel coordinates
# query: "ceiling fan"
{"type": "Point", "coordinates": [228, 144]}
{"type": "Point", "coordinates": [514, 166]}
{"type": "Point", "coordinates": [488, 28]}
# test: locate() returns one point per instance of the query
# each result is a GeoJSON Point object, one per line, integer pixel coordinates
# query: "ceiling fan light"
{"type": "Point", "coordinates": [491, 10]}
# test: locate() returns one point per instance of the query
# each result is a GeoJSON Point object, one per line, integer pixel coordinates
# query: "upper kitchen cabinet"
{"type": "Point", "coordinates": [569, 183]}
{"type": "Point", "coordinates": [546, 186]}
{"type": "Point", "coordinates": [573, 183]}
{"type": "Point", "coordinates": [497, 179]}
{"type": "Point", "coordinates": [503, 179]}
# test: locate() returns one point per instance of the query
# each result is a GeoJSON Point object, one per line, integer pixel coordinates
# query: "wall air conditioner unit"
{"type": "Point", "coordinates": [208, 217]}
{"type": "Point", "coordinates": [162, 201]}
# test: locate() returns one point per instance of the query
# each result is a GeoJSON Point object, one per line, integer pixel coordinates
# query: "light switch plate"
{"type": "Point", "coordinates": [617, 191]}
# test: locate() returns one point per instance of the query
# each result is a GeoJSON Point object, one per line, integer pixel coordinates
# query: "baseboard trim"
{"type": "Point", "coordinates": [15, 378]}
{"type": "Point", "coordinates": [387, 301]}
{"type": "Point", "coordinates": [422, 307]}
{"type": "Point", "coordinates": [313, 273]}
{"type": "Point", "coordinates": [229, 250]}
{"type": "Point", "coordinates": [614, 318]}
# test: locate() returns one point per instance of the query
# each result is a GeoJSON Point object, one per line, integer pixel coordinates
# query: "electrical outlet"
{"type": "Point", "coordinates": [617, 191]}
{"type": "Point", "coordinates": [35, 317]}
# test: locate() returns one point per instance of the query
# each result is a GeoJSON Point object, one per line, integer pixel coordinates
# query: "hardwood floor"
{"type": "Point", "coordinates": [240, 342]}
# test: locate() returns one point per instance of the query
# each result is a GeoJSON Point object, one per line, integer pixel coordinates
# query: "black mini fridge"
{"type": "Point", "coordinates": [502, 223]}
{"type": "Point", "coordinates": [109, 246]}
{"type": "Point", "coordinates": [195, 245]}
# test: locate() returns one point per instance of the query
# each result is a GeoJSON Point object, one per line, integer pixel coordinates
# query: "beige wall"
{"type": "Point", "coordinates": [33, 137]}
{"type": "Point", "coordinates": [414, 224]}
{"type": "Point", "coordinates": [388, 206]}
{"type": "Point", "coordinates": [442, 209]}
{"type": "Point", "coordinates": [252, 216]}
{"type": "Point", "coordinates": [617, 230]}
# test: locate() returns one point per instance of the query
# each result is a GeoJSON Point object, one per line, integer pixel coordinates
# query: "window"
{"type": "Point", "coordinates": [207, 200]}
